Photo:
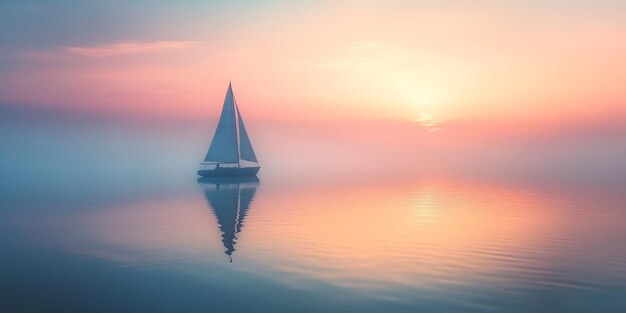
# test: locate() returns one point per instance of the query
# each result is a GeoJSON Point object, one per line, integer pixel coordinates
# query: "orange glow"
{"type": "Point", "coordinates": [370, 62]}
{"type": "Point", "coordinates": [337, 234]}
{"type": "Point", "coordinates": [356, 230]}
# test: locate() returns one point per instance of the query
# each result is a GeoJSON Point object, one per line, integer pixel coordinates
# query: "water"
{"type": "Point", "coordinates": [96, 216]}
{"type": "Point", "coordinates": [308, 245]}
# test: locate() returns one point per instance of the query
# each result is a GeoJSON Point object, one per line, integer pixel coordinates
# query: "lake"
{"type": "Point", "coordinates": [436, 244]}
{"type": "Point", "coordinates": [103, 217]}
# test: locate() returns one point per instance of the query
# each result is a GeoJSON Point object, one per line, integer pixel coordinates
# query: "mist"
{"type": "Point", "coordinates": [74, 148]}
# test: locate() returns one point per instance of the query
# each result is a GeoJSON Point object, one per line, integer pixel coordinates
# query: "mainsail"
{"type": "Point", "coordinates": [231, 143]}
{"type": "Point", "coordinates": [224, 145]}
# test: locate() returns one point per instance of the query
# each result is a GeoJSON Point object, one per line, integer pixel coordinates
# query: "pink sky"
{"type": "Point", "coordinates": [427, 63]}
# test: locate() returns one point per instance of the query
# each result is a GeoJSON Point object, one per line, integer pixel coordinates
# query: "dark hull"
{"type": "Point", "coordinates": [225, 180]}
{"type": "Point", "coordinates": [229, 171]}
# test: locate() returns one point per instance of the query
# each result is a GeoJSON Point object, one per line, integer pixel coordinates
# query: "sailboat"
{"type": "Point", "coordinates": [230, 152]}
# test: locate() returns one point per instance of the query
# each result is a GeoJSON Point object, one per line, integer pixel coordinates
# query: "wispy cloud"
{"type": "Point", "coordinates": [128, 47]}
{"type": "Point", "coordinates": [102, 50]}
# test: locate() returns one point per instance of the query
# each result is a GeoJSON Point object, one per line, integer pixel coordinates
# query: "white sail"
{"type": "Point", "coordinates": [231, 152]}
{"type": "Point", "coordinates": [224, 147]}
{"type": "Point", "coordinates": [246, 152]}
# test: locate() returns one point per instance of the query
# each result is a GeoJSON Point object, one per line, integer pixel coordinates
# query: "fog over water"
{"type": "Point", "coordinates": [79, 146]}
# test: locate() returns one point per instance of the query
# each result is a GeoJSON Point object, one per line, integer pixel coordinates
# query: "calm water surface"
{"type": "Point", "coordinates": [308, 245]}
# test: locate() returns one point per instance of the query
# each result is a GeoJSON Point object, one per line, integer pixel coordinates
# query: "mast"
{"type": "Point", "coordinates": [236, 117]}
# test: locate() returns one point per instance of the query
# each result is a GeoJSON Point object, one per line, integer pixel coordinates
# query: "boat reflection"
{"type": "Point", "coordinates": [229, 198]}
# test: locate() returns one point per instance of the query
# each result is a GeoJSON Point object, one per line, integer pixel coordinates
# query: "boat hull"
{"type": "Point", "coordinates": [229, 180]}
{"type": "Point", "coordinates": [229, 171]}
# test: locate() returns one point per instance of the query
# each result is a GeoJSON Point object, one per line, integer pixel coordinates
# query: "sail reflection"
{"type": "Point", "coordinates": [229, 198]}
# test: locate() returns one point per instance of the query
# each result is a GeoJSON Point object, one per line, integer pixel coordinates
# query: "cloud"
{"type": "Point", "coordinates": [100, 51]}
{"type": "Point", "coordinates": [128, 47]}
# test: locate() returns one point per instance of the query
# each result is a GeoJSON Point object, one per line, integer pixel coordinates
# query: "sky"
{"type": "Point", "coordinates": [428, 74]}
